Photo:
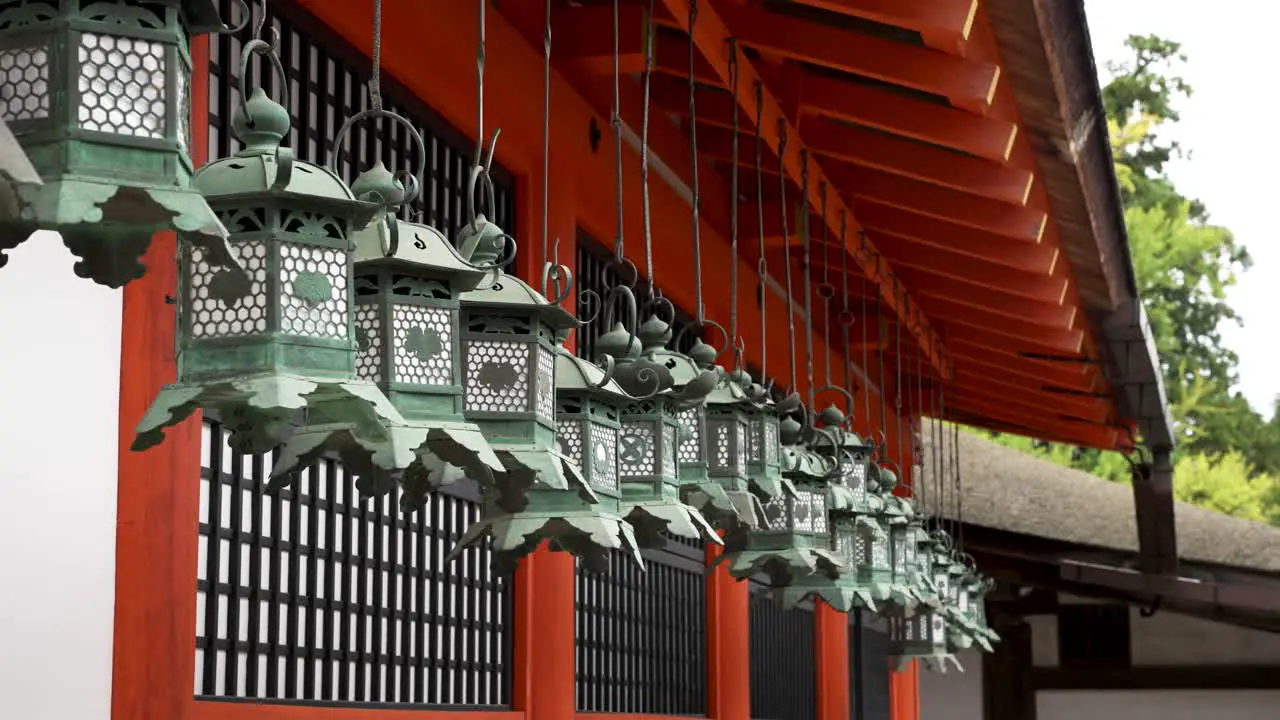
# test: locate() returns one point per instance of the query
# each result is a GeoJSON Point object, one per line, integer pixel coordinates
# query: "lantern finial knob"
{"type": "Point", "coordinates": [261, 124]}
{"type": "Point", "coordinates": [790, 431]}
{"type": "Point", "coordinates": [377, 185]}
{"type": "Point", "coordinates": [702, 354]}
{"type": "Point", "coordinates": [654, 333]}
{"type": "Point", "coordinates": [832, 417]}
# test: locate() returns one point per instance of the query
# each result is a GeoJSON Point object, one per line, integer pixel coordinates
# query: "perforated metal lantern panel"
{"type": "Point", "coordinates": [97, 92]}
{"type": "Point", "coordinates": [588, 422]}
{"type": "Point", "coordinates": [727, 430]}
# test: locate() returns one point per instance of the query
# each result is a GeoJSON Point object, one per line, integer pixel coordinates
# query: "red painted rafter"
{"type": "Point", "coordinates": [711, 36]}
{"type": "Point", "coordinates": [944, 24]}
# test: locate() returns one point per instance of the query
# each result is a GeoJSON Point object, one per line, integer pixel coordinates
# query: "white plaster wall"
{"type": "Point", "coordinates": [60, 373]}
{"type": "Point", "coordinates": [1171, 639]}
{"type": "Point", "coordinates": [1158, 705]}
{"type": "Point", "coordinates": [953, 695]}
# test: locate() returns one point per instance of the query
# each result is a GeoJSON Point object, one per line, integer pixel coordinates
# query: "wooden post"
{"type": "Point", "coordinates": [153, 659]}
{"type": "Point", "coordinates": [1007, 691]}
{"type": "Point", "coordinates": [831, 658]}
{"type": "Point", "coordinates": [728, 644]}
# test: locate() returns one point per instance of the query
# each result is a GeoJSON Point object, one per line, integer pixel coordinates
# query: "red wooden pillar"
{"type": "Point", "coordinates": [831, 661]}
{"type": "Point", "coordinates": [728, 645]}
{"type": "Point", "coordinates": [904, 693]}
{"type": "Point", "coordinates": [153, 657]}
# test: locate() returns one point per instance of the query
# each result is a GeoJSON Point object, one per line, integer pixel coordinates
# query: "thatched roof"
{"type": "Point", "coordinates": [1004, 489]}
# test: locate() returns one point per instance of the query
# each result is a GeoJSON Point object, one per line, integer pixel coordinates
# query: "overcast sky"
{"type": "Point", "coordinates": [1227, 125]}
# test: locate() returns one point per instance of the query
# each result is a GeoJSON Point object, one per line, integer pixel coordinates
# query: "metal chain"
{"type": "Point", "coordinates": [882, 329]}
{"type": "Point", "coordinates": [733, 202]}
{"type": "Point", "coordinates": [693, 146]}
{"type": "Point", "coordinates": [897, 378]}
{"type": "Point", "coordinates": [845, 320]}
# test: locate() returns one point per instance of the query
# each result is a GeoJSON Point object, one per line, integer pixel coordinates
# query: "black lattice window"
{"type": "Point", "coordinates": [783, 682]}
{"type": "Point", "coordinates": [327, 84]}
{"type": "Point", "coordinates": [868, 670]}
{"type": "Point", "coordinates": [641, 639]}
{"type": "Point", "coordinates": [641, 635]}
{"type": "Point", "coordinates": [315, 594]}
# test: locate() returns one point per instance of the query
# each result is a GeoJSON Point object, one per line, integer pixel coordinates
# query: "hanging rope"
{"type": "Point", "coordinates": [375, 77]}
{"type": "Point", "coordinates": [693, 145]}
{"type": "Point", "coordinates": [825, 290]}
{"type": "Point", "coordinates": [733, 202]}
{"type": "Point", "coordinates": [866, 365]}
{"type": "Point", "coordinates": [786, 235]}
{"type": "Point", "coordinates": [615, 120]}
{"type": "Point", "coordinates": [644, 151]}
{"type": "Point", "coordinates": [808, 281]}
{"type": "Point", "coordinates": [546, 129]}
{"type": "Point", "coordinates": [762, 269]}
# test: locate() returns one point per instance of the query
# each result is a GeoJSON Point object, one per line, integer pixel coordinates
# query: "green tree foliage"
{"type": "Point", "coordinates": [1229, 456]}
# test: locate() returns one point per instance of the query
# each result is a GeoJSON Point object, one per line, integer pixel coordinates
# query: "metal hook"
{"type": "Point", "coordinates": [706, 322]}
{"type": "Point", "coordinates": [246, 12]}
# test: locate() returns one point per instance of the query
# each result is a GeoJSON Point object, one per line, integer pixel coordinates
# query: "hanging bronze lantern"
{"type": "Point", "coordinates": [97, 95]}
{"type": "Point", "coordinates": [972, 589]}
{"type": "Point", "coordinates": [259, 345]}
{"type": "Point", "coordinates": [692, 378]}
{"type": "Point", "coordinates": [512, 337]}
{"type": "Point", "coordinates": [668, 389]}
{"type": "Point", "coordinates": [408, 278]}
{"type": "Point", "coordinates": [793, 540]}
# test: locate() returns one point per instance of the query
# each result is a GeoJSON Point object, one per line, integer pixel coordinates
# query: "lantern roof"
{"type": "Point", "coordinates": [265, 165]}
{"type": "Point", "coordinates": [575, 375]}
{"type": "Point", "coordinates": [511, 293]}
{"type": "Point", "coordinates": [420, 247]}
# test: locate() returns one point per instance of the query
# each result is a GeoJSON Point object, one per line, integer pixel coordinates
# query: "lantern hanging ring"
{"type": "Point", "coordinates": [407, 179]}
{"type": "Point", "coordinates": [844, 392]}
{"type": "Point", "coordinates": [261, 47]}
{"type": "Point", "coordinates": [720, 349]}
{"type": "Point", "coordinates": [655, 305]}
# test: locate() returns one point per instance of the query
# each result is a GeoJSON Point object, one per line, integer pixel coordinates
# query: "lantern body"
{"type": "Point", "coordinates": [924, 633]}
{"type": "Point", "coordinates": [509, 340]}
{"type": "Point", "coordinates": [587, 429]}
{"type": "Point", "coordinates": [98, 94]}
{"type": "Point", "coordinates": [692, 450]}
{"type": "Point", "coordinates": [407, 316]}
{"type": "Point", "coordinates": [727, 432]}
{"type": "Point", "coordinates": [764, 453]}
{"type": "Point", "coordinates": [803, 514]}
{"type": "Point", "coordinates": [647, 449]}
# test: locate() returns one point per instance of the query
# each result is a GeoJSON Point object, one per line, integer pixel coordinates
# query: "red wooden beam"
{"type": "Point", "coordinates": [996, 360]}
{"type": "Point", "coordinates": [1017, 223]}
{"type": "Point", "coordinates": [993, 261]}
{"type": "Point", "coordinates": [710, 35]}
{"type": "Point", "coordinates": [896, 154]}
{"type": "Point", "coordinates": [919, 119]}
{"type": "Point", "coordinates": [944, 24]}
{"type": "Point", "coordinates": [966, 83]}
{"type": "Point", "coordinates": [1001, 385]}
{"type": "Point", "coordinates": [1017, 293]}
{"type": "Point", "coordinates": [1035, 423]}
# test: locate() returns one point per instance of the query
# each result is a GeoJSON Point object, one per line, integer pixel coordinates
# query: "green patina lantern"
{"type": "Point", "coordinates": [971, 591]}
{"type": "Point", "coordinates": [512, 344]}
{"type": "Point", "coordinates": [97, 94]}
{"type": "Point", "coordinates": [793, 542]}
{"type": "Point", "coordinates": [649, 443]}
{"type": "Point", "coordinates": [695, 378]}
{"type": "Point", "coordinates": [261, 344]}
{"type": "Point", "coordinates": [930, 632]}
{"type": "Point", "coordinates": [906, 588]}
{"type": "Point", "coordinates": [764, 448]}
{"type": "Point", "coordinates": [408, 278]}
